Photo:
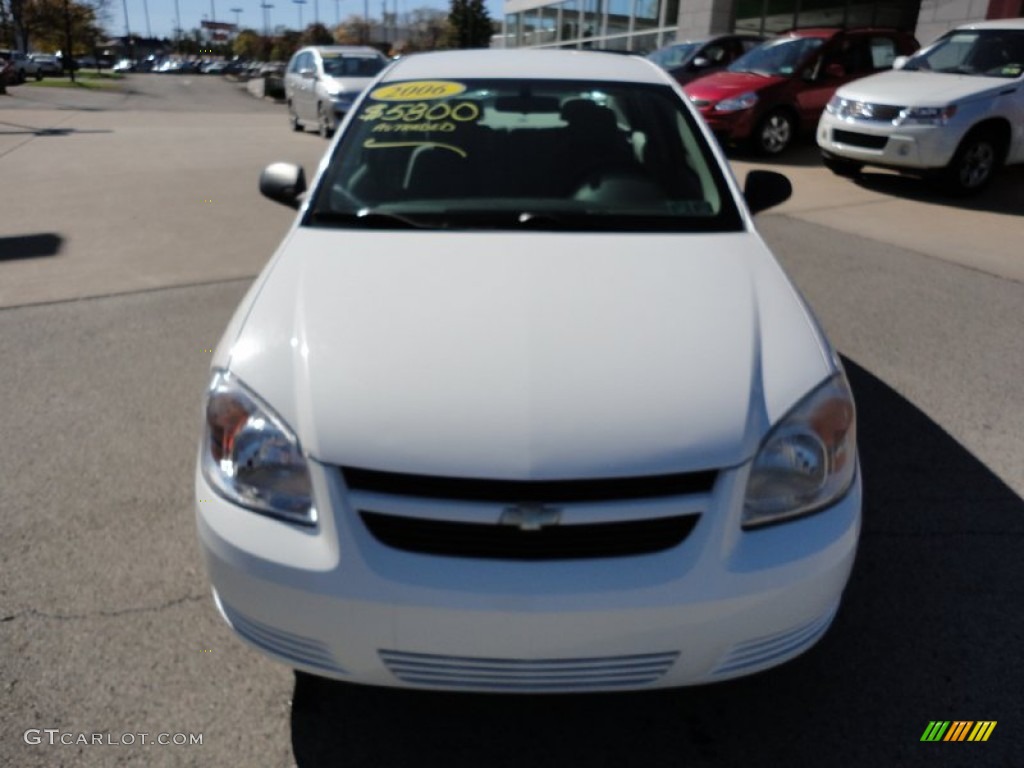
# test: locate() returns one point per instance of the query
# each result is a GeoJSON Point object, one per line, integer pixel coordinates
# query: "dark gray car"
{"type": "Point", "coordinates": [689, 59]}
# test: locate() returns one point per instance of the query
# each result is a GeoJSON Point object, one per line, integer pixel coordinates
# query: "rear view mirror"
{"type": "Point", "coordinates": [283, 183]}
{"type": "Point", "coordinates": [764, 189]}
{"type": "Point", "coordinates": [700, 62]}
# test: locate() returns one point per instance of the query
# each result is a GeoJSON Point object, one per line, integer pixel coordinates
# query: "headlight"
{"type": "Point", "coordinates": [251, 457]}
{"type": "Point", "coordinates": [736, 103]}
{"type": "Point", "coordinates": [808, 460]}
{"type": "Point", "coordinates": [834, 104]}
{"type": "Point", "coordinates": [925, 115]}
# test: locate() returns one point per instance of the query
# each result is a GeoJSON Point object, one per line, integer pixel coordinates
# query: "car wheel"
{"type": "Point", "coordinates": [849, 169]}
{"type": "Point", "coordinates": [975, 162]}
{"type": "Point", "coordinates": [775, 132]}
{"type": "Point", "coordinates": [323, 121]}
{"type": "Point", "coordinates": [293, 118]}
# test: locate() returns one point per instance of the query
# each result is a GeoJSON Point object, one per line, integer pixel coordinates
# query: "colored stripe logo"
{"type": "Point", "coordinates": [958, 730]}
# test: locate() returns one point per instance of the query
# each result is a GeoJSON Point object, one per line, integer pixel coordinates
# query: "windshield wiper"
{"type": "Point", "coordinates": [367, 218]}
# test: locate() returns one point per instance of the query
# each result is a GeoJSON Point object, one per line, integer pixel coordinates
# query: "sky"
{"type": "Point", "coordinates": [161, 13]}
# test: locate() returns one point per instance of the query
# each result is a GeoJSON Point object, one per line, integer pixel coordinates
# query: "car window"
{"type": "Point", "coordinates": [673, 56]}
{"type": "Point", "coordinates": [342, 65]}
{"type": "Point", "coordinates": [502, 153]}
{"type": "Point", "coordinates": [988, 53]}
{"type": "Point", "coordinates": [777, 57]}
{"type": "Point", "coordinates": [883, 52]}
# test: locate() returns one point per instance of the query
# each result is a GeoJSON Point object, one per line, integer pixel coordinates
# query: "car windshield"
{"type": "Point", "coordinates": [674, 55]}
{"type": "Point", "coordinates": [987, 53]}
{"type": "Point", "coordinates": [777, 57]}
{"type": "Point", "coordinates": [346, 65]}
{"type": "Point", "coordinates": [510, 154]}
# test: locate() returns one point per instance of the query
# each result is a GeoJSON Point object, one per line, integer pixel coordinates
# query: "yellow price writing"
{"type": "Point", "coordinates": [460, 112]}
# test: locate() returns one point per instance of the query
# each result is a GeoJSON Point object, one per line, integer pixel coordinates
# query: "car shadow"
{"type": "Point", "coordinates": [802, 153]}
{"type": "Point", "coordinates": [30, 246]}
{"type": "Point", "coordinates": [930, 629]}
{"type": "Point", "coordinates": [1004, 195]}
{"type": "Point", "coordinates": [16, 129]}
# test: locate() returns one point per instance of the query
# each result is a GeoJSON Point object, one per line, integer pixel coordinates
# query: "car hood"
{"type": "Point", "coordinates": [529, 355]}
{"type": "Point", "coordinates": [916, 88]}
{"type": "Point", "coordinates": [722, 85]}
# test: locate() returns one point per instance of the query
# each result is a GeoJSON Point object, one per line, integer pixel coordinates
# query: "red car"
{"type": "Point", "coordinates": [772, 93]}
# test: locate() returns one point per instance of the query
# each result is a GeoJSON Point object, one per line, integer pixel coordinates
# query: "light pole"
{"type": "Point", "coordinates": [366, 21]}
{"type": "Point", "coordinates": [266, 18]}
{"type": "Point", "coordinates": [238, 13]}
{"type": "Point", "coordinates": [177, 34]}
{"type": "Point", "coordinates": [337, 12]}
{"type": "Point", "coordinates": [300, 3]}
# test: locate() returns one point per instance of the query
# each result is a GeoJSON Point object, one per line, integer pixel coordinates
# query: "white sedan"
{"type": "Point", "coordinates": [523, 402]}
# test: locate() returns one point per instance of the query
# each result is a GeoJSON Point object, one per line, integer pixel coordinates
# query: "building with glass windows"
{"type": "Point", "coordinates": [641, 26]}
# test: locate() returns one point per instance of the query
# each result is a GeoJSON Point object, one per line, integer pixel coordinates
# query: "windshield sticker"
{"type": "Point", "coordinates": [420, 89]}
{"type": "Point", "coordinates": [374, 144]}
{"type": "Point", "coordinates": [1012, 70]}
{"type": "Point", "coordinates": [420, 116]}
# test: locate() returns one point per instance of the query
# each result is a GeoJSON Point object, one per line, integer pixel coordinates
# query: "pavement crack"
{"type": "Point", "coordinates": [33, 613]}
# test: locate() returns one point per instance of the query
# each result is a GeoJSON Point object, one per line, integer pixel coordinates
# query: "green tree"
{"type": "Point", "coordinates": [469, 24]}
{"type": "Point", "coordinates": [316, 34]}
{"type": "Point", "coordinates": [248, 44]}
{"type": "Point", "coordinates": [285, 45]}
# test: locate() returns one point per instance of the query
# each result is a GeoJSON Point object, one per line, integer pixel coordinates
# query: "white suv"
{"type": "Point", "coordinates": [954, 110]}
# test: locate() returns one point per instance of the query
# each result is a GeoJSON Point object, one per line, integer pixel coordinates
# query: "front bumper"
{"type": "Point", "coordinates": [336, 602]}
{"type": "Point", "coordinates": [730, 126]}
{"type": "Point", "coordinates": [920, 148]}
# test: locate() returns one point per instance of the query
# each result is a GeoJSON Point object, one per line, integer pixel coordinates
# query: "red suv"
{"type": "Point", "coordinates": [780, 88]}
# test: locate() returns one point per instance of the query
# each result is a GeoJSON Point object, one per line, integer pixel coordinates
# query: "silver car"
{"type": "Point", "coordinates": [322, 82]}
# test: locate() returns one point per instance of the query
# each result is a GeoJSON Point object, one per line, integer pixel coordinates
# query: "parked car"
{"type": "Point", "coordinates": [953, 111]}
{"type": "Point", "coordinates": [125, 65]}
{"type": "Point", "coordinates": [690, 59]}
{"type": "Point", "coordinates": [8, 74]}
{"type": "Point", "coordinates": [22, 67]}
{"type": "Point", "coordinates": [523, 402]}
{"type": "Point", "coordinates": [322, 82]}
{"type": "Point", "coordinates": [48, 63]}
{"type": "Point", "coordinates": [771, 94]}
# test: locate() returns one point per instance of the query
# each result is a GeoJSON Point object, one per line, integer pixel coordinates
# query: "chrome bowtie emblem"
{"type": "Point", "coordinates": [530, 517]}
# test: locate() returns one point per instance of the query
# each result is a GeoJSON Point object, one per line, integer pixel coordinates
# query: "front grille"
{"type": "Point", "coordinates": [564, 674]}
{"type": "Point", "coordinates": [519, 491]}
{"type": "Point", "coordinates": [507, 542]}
{"type": "Point", "coordinates": [876, 113]}
{"type": "Point", "coordinates": [864, 140]}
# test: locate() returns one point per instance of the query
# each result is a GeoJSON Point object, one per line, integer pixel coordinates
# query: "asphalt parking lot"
{"type": "Point", "coordinates": [130, 226]}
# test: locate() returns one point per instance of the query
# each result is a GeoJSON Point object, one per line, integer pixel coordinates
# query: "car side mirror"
{"type": "Point", "coordinates": [309, 74]}
{"type": "Point", "coordinates": [283, 183]}
{"type": "Point", "coordinates": [764, 189]}
{"type": "Point", "coordinates": [899, 62]}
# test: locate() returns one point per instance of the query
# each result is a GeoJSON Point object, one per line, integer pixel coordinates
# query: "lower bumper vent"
{"type": "Point", "coordinates": [468, 672]}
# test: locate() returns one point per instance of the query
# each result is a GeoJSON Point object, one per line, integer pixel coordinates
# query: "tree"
{"type": "Point", "coordinates": [469, 24]}
{"type": "Point", "coordinates": [316, 34]}
{"type": "Point", "coordinates": [428, 28]}
{"type": "Point", "coordinates": [42, 24]}
{"type": "Point", "coordinates": [248, 44]}
{"type": "Point", "coordinates": [285, 45]}
{"type": "Point", "coordinates": [352, 31]}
